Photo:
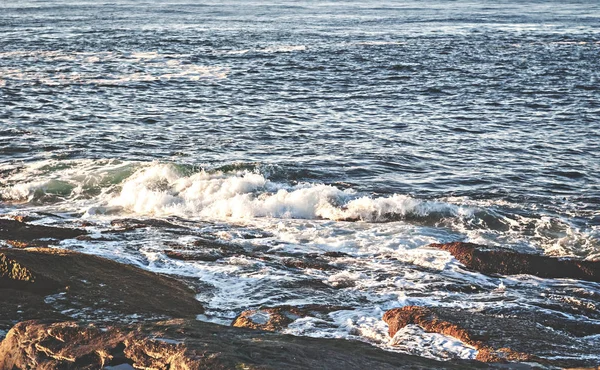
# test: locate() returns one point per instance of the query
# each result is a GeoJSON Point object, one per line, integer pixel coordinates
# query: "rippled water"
{"type": "Point", "coordinates": [369, 128]}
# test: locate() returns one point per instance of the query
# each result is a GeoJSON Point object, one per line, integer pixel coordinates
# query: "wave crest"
{"type": "Point", "coordinates": [162, 190]}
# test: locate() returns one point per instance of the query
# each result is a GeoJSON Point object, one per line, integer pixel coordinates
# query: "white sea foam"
{"type": "Point", "coordinates": [379, 43]}
{"type": "Point", "coordinates": [413, 339]}
{"type": "Point", "coordinates": [154, 66]}
{"type": "Point", "coordinates": [283, 49]}
{"type": "Point", "coordinates": [161, 190]}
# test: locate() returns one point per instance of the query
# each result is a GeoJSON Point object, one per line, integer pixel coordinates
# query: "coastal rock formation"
{"type": "Point", "coordinates": [495, 260]}
{"type": "Point", "coordinates": [499, 338]}
{"type": "Point", "coordinates": [190, 344]}
{"type": "Point", "coordinates": [131, 318]}
{"type": "Point", "coordinates": [277, 318]}
{"type": "Point", "coordinates": [38, 283]}
{"type": "Point", "coordinates": [18, 231]}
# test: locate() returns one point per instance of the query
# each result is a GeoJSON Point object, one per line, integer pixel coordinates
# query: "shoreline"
{"type": "Point", "coordinates": [51, 293]}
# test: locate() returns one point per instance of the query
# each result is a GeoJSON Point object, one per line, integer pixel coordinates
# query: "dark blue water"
{"type": "Point", "coordinates": [482, 117]}
{"type": "Point", "coordinates": [421, 97]}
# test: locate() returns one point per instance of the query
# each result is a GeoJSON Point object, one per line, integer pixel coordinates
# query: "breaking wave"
{"type": "Point", "coordinates": [167, 189]}
{"type": "Point", "coordinates": [243, 192]}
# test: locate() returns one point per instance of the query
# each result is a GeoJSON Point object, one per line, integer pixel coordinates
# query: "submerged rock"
{"type": "Point", "coordinates": [494, 260]}
{"type": "Point", "coordinates": [498, 338]}
{"type": "Point", "coordinates": [132, 223]}
{"type": "Point", "coordinates": [193, 255]}
{"type": "Point", "coordinates": [190, 344]}
{"type": "Point", "coordinates": [278, 318]}
{"type": "Point", "coordinates": [308, 263]}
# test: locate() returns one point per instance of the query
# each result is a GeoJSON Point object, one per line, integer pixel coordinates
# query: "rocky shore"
{"type": "Point", "coordinates": [62, 309]}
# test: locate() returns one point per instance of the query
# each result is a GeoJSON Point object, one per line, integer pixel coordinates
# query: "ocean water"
{"type": "Point", "coordinates": [292, 129]}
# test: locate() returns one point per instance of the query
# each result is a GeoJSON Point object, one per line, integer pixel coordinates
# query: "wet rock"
{"type": "Point", "coordinates": [14, 275]}
{"type": "Point", "coordinates": [20, 244]}
{"type": "Point", "coordinates": [258, 234]}
{"type": "Point", "coordinates": [335, 254]}
{"type": "Point", "coordinates": [65, 345]}
{"type": "Point", "coordinates": [277, 318]}
{"type": "Point", "coordinates": [193, 255]}
{"type": "Point", "coordinates": [574, 326]}
{"type": "Point", "coordinates": [498, 338]}
{"type": "Point", "coordinates": [89, 238]}
{"type": "Point", "coordinates": [190, 344]}
{"type": "Point", "coordinates": [204, 250]}
{"type": "Point", "coordinates": [115, 295]}
{"type": "Point", "coordinates": [462, 288]}
{"type": "Point", "coordinates": [132, 223]}
{"type": "Point", "coordinates": [52, 280]}
{"type": "Point", "coordinates": [311, 284]}
{"type": "Point", "coordinates": [24, 218]}
{"type": "Point", "coordinates": [308, 263]}
{"type": "Point", "coordinates": [226, 249]}
{"type": "Point", "coordinates": [494, 260]}
{"type": "Point", "coordinates": [23, 232]}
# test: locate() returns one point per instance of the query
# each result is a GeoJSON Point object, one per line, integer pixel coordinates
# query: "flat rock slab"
{"type": "Point", "coordinates": [190, 344]}
{"type": "Point", "coordinates": [494, 260]}
{"type": "Point", "coordinates": [39, 281]}
{"type": "Point", "coordinates": [24, 232]}
{"type": "Point", "coordinates": [500, 338]}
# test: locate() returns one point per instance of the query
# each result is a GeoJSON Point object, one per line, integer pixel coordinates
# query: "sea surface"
{"type": "Point", "coordinates": [292, 129]}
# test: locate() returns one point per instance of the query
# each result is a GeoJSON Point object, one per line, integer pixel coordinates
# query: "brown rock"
{"type": "Point", "coordinates": [190, 344]}
{"type": "Point", "coordinates": [277, 318]}
{"type": "Point", "coordinates": [19, 244]}
{"type": "Point", "coordinates": [499, 338]}
{"type": "Point", "coordinates": [496, 260]}
{"type": "Point", "coordinates": [398, 318]}
{"type": "Point", "coordinates": [112, 293]}
{"type": "Point", "coordinates": [65, 345]}
{"type": "Point", "coordinates": [23, 218]}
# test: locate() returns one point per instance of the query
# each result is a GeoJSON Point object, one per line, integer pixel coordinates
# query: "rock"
{"type": "Point", "coordinates": [193, 256]}
{"type": "Point", "coordinates": [23, 232]}
{"type": "Point", "coordinates": [64, 345]}
{"type": "Point", "coordinates": [498, 338]}
{"type": "Point", "coordinates": [336, 254]}
{"type": "Point", "coordinates": [24, 218]}
{"type": "Point", "coordinates": [190, 344]}
{"type": "Point", "coordinates": [14, 275]}
{"type": "Point", "coordinates": [119, 327]}
{"type": "Point", "coordinates": [494, 260]}
{"type": "Point", "coordinates": [48, 282]}
{"type": "Point", "coordinates": [225, 249]}
{"type": "Point", "coordinates": [132, 223]}
{"type": "Point", "coordinates": [205, 250]}
{"type": "Point", "coordinates": [277, 318]}
{"type": "Point", "coordinates": [308, 263]}
{"type": "Point", "coordinates": [20, 244]}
